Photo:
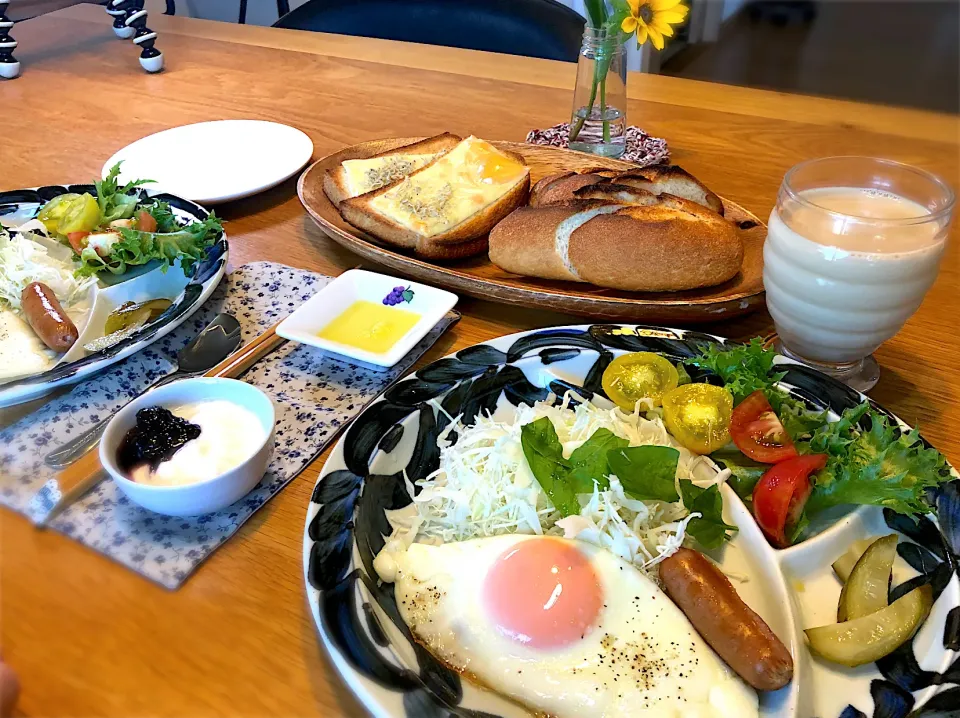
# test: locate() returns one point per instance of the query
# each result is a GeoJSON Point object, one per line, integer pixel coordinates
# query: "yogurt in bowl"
{"type": "Point", "coordinates": [190, 447]}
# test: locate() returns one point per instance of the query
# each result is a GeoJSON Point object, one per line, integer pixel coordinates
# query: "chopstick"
{"type": "Point", "coordinates": [86, 472]}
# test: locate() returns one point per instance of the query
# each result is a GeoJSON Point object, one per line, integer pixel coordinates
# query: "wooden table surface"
{"type": "Point", "coordinates": [89, 637]}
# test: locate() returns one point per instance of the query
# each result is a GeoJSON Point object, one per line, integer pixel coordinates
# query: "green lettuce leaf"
{"type": "Point", "coordinates": [166, 219]}
{"type": "Point", "coordinates": [878, 466]}
{"type": "Point", "coordinates": [744, 368]}
{"type": "Point", "coordinates": [188, 244]}
{"type": "Point", "coordinates": [113, 200]}
{"type": "Point", "coordinates": [589, 460]}
{"type": "Point", "coordinates": [647, 472]}
{"type": "Point", "coordinates": [544, 454]}
{"type": "Point", "coordinates": [709, 528]}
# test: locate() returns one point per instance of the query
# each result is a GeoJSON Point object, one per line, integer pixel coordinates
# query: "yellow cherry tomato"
{"type": "Point", "coordinates": [81, 215]}
{"type": "Point", "coordinates": [51, 213]}
{"type": "Point", "coordinates": [698, 416]}
{"type": "Point", "coordinates": [631, 377]}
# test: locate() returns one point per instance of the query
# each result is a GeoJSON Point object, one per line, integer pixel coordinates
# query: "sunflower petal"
{"type": "Point", "coordinates": [655, 37]}
{"type": "Point", "coordinates": [661, 27]}
{"type": "Point", "coordinates": [629, 24]}
{"type": "Point", "coordinates": [641, 34]}
{"type": "Point", "coordinates": [634, 7]}
{"type": "Point", "coordinates": [670, 17]}
{"type": "Point", "coordinates": [659, 5]}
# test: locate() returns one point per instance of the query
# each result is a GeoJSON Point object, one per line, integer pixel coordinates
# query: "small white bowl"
{"type": "Point", "coordinates": [207, 495]}
{"type": "Point", "coordinates": [304, 325]}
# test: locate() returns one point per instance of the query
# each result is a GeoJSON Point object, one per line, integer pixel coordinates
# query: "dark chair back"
{"type": "Point", "coordinates": [534, 28]}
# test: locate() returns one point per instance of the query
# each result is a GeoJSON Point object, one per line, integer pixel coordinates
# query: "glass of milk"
{"type": "Point", "coordinates": [852, 247]}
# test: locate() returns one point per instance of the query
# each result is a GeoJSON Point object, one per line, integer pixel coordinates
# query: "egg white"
{"type": "Point", "coordinates": [642, 658]}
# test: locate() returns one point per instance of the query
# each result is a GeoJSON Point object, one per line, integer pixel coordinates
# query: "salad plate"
{"type": "Point", "coordinates": [133, 290]}
{"type": "Point", "coordinates": [438, 464]}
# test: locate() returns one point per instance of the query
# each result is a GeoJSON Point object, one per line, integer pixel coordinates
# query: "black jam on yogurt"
{"type": "Point", "coordinates": [158, 435]}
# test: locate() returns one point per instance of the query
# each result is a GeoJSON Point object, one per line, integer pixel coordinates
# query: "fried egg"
{"type": "Point", "coordinates": [561, 627]}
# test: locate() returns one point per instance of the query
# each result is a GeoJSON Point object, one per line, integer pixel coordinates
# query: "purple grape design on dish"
{"type": "Point", "coordinates": [398, 295]}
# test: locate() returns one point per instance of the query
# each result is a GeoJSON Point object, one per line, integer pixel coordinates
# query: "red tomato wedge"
{"type": "Point", "coordinates": [146, 222]}
{"type": "Point", "coordinates": [76, 240]}
{"type": "Point", "coordinates": [781, 493]}
{"type": "Point", "coordinates": [758, 433]}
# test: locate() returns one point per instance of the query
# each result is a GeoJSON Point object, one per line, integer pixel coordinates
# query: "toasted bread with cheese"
{"type": "Point", "coordinates": [359, 176]}
{"type": "Point", "coordinates": [445, 209]}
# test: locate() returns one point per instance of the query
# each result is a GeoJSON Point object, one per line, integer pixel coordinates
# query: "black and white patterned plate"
{"type": "Point", "coordinates": [792, 589]}
{"type": "Point", "coordinates": [18, 206]}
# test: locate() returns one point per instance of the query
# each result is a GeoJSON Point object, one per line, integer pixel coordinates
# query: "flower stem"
{"type": "Point", "coordinates": [603, 109]}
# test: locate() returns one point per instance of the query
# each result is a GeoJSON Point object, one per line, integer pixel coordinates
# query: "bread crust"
{"type": "Point", "coordinates": [672, 179]}
{"type": "Point", "coordinates": [525, 242]}
{"type": "Point", "coordinates": [671, 246]}
{"type": "Point", "coordinates": [561, 187]}
{"type": "Point", "coordinates": [463, 240]}
{"type": "Point", "coordinates": [335, 180]}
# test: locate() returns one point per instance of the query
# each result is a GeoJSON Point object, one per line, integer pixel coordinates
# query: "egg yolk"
{"type": "Point", "coordinates": [543, 593]}
{"type": "Point", "coordinates": [491, 167]}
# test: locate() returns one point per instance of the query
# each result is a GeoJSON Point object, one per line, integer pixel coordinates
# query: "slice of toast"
{"type": "Point", "coordinates": [359, 176]}
{"type": "Point", "coordinates": [445, 209]}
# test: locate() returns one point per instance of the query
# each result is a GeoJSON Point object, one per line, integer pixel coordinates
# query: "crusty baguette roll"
{"type": "Point", "coordinates": [561, 187]}
{"type": "Point", "coordinates": [657, 180]}
{"type": "Point", "coordinates": [394, 164]}
{"type": "Point", "coordinates": [532, 240]}
{"type": "Point", "coordinates": [621, 193]}
{"type": "Point", "coordinates": [673, 180]}
{"type": "Point", "coordinates": [463, 239]}
{"type": "Point", "coordinates": [671, 246]}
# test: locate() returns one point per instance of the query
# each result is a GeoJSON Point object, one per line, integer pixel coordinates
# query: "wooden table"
{"type": "Point", "coordinates": [91, 638]}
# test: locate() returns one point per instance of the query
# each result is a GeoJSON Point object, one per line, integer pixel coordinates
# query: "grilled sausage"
{"type": "Point", "coordinates": [738, 635]}
{"type": "Point", "coordinates": [47, 318]}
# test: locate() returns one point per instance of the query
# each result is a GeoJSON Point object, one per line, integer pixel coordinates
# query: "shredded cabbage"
{"type": "Point", "coordinates": [24, 258]}
{"type": "Point", "coordinates": [484, 486]}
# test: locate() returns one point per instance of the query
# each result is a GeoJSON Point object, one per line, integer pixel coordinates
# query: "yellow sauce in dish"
{"type": "Point", "coordinates": [370, 326]}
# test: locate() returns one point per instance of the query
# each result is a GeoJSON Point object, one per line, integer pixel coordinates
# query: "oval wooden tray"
{"type": "Point", "coordinates": [478, 277]}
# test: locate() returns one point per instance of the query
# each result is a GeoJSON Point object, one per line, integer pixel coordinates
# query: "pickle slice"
{"type": "Point", "coordinates": [843, 566]}
{"type": "Point", "coordinates": [868, 585]}
{"type": "Point", "coordinates": [870, 638]}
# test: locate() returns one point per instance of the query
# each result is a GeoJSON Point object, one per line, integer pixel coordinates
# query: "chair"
{"type": "Point", "coordinates": [534, 28]}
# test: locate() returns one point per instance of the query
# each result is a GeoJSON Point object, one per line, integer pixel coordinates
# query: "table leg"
{"type": "Point", "coordinates": [151, 59]}
{"type": "Point", "coordinates": [9, 67]}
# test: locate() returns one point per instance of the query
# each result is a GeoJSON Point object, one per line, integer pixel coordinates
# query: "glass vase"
{"type": "Point", "coordinates": [599, 119]}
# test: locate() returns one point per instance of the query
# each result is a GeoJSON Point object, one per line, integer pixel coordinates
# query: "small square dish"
{"type": "Point", "coordinates": [367, 316]}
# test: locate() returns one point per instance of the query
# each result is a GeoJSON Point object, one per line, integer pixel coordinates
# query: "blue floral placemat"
{"type": "Point", "coordinates": [315, 395]}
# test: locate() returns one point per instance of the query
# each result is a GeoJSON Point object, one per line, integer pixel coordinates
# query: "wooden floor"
{"type": "Point", "coordinates": [897, 52]}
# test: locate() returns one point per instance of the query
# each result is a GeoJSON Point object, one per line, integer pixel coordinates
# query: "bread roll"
{"type": "Point", "coordinates": [671, 246]}
{"type": "Point", "coordinates": [561, 187]}
{"type": "Point", "coordinates": [532, 241]}
{"type": "Point", "coordinates": [673, 180]}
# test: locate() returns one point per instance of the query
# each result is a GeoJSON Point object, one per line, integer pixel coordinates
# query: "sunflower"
{"type": "Point", "coordinates": [653, 19]}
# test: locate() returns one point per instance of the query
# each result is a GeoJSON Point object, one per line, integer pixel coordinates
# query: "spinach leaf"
{"type": "Point", "coordinates": [744, 472]}
{"type": "Point", "coordinates": [589, 460]}
{"type": "Point", "coordinates": [709, 529]}
{"type": "Point", "coordinates": [646, 472]}
{"type": "Point", "coordinates": [544, 454]}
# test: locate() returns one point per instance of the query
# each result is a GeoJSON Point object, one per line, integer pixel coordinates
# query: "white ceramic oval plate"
{"type": "Point", "coordinates": [791, 589]}
{"type": "Point", "coordinates": [213, 162]}
{"type": "Point", "coordinates": [137, 285]}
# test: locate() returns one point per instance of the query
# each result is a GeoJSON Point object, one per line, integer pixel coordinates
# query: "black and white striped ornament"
{"type": "Point", "coordinates": [9, 67]}
{"type": "Point", "coordinates": [135, 18]}
{"type": "Point", "coordinates": [119, 28]}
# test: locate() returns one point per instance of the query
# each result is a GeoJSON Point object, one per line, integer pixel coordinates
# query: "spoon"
{"type": "Point", "coordinates": [216, 342]}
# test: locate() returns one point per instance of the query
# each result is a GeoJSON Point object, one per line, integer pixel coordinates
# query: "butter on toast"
{"type": "Point", "coordinates": [359, 176]}
{"type": "Point", "coordinates": [445, 209]}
